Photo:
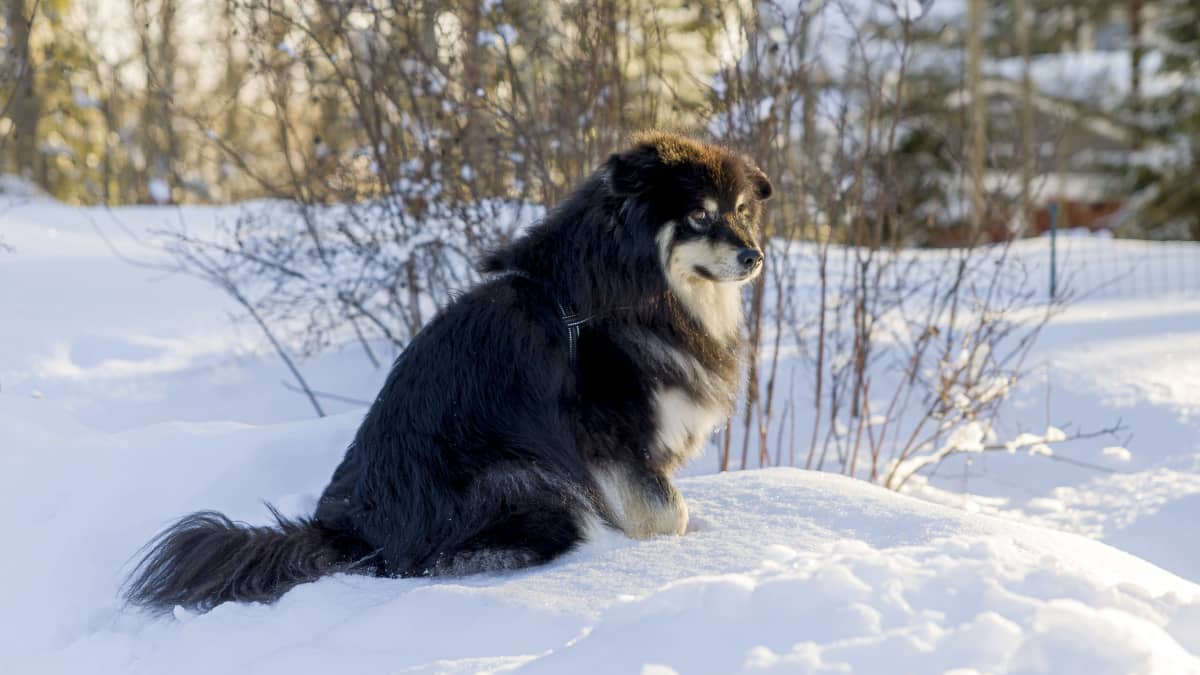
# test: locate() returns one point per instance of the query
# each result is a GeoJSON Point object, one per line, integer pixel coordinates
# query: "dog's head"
{"type": "Point", "coordinates": [704, 202]}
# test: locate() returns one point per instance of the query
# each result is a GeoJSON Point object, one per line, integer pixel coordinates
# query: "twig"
{"type": "Point", "coordinates": [323, 394]}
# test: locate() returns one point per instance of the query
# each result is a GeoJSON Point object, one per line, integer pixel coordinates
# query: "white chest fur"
{"type": "Point", "coordinates": [718, 307]}
{"type": "Point", "coordinates": [684, 425]}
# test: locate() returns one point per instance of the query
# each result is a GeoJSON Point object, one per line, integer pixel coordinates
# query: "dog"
{"type": "Point", "coordinates": [557, 396]}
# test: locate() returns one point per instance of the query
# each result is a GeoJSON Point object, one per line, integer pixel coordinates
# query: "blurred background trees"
{"type": "Point", "coordinates": [135, 101]}
{"type": "Point", "coordinates": [183, 101]}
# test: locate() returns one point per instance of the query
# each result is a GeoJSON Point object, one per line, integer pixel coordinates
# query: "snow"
{"type": "Point", "coordinates": [1108, 359]}
{"type": "Point", "coordinates": [968, 602]}
{"type": "Point", "coordinates": [1117, 453]}
{"type": "Point", "coordinates": [14, 189]}
{"type": "Point", "coordinates": [127, 398]}
{"type": "Point", "coordinates": [159, 190]}
{"type": "Point", "coordinates": [1155, 368]}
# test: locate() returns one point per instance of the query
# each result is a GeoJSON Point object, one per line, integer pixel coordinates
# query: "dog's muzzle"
{"type": "Point", "coordinates": [750, 259]}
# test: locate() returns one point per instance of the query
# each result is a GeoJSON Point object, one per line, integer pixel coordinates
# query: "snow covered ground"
{"type": "Point", "coordinates": [1136, 360]}
{"type": "Point", "coordinates": [127, 398]}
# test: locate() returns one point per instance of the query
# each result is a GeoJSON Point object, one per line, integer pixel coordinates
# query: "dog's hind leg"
{"type": "Point", "coordinates": [522, 539]}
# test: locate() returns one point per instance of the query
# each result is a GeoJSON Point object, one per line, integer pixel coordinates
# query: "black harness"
{"type": "Point", "coordinates": [570, 318]}
{"type": "Point", "coordinates": [572, 321]}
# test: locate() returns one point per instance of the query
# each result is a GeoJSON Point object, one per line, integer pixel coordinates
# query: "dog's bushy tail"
{"type": "Point", "coordinates": [206, 559]}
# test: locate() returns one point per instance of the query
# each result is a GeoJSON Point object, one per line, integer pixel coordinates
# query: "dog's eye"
{"type": "Point", "coordinates": [743, 209]}
{"type": "Point", "coordinates": [698, 219]}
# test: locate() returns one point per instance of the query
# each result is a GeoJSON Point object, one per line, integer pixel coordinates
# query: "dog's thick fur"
{"type": "Point", "coordinates": [494, 444]}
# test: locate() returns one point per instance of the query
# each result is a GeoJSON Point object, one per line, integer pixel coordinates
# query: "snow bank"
{"type": "Point", "coordinates": [985, 599]}
{"type": "Point", "coordinates": [784, 571]}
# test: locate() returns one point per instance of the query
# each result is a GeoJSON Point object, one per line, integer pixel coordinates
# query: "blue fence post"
{"type": "Point", "coordinates": [1053, 249]}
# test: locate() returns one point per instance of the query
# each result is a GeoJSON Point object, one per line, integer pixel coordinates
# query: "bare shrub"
{"type": "Point", "coordinates": [905, 356]}
{"type": "Point", "coordinates": [415, 137]}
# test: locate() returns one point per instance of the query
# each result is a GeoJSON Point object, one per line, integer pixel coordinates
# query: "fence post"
{"type": "Point", "coordinates": [1053, 248]}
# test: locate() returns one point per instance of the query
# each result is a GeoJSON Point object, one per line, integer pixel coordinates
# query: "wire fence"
{"type": "Point", "coordinates": [1090, 267]}
{"type": "Point", "coordinates": [1085, 266]}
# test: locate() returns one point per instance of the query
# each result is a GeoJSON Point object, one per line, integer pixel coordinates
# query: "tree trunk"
{"type": "Point", "coordinates": [167, 61]}
{"type": "Point", "coordinates": [25, 104]}
{"type": "Point", "coordinates": [1027, 140]}
{"type": "Point", "coordinates": [1135, 62]}
{"type": "Point", "coordinates": [231, 85]}
{"type": "Point", "coordinates": [159, 60]}
{"type": "Point", "coordinates": [473, 137]}
{"type": "Point", "coordinates": [978, 111]}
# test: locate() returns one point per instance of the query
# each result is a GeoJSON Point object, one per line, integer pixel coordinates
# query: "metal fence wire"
{"type": "Point", "coordinates": [1089, 266]}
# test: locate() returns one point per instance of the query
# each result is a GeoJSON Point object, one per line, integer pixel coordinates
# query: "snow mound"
{"type": "Point", "coordinates": [976, 603]}
{"type": "Point", "coordinates": [909, 589]}
{"type": "Point", "coordinates": [782, 571]}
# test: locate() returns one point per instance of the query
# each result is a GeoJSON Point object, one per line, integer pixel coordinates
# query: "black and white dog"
{"type": "Point", "coordinates": [558, 396]}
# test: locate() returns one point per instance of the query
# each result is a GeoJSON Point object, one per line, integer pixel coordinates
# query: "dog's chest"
{"type": "Point", "coordinates": [688, 397]}
{"type": "Point", "coordinates": [683, 424]}
{"type": "Point", "coordinates": [669, 394]}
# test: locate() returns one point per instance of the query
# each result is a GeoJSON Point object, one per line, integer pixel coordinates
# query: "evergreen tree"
{"type": "Point", "coordinates": [1169, 178]}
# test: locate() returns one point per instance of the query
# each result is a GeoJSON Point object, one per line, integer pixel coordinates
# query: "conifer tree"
{"type": "Point", "coordinates": [1169, 176]}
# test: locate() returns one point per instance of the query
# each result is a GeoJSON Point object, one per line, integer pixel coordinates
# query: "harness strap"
{"type": "Point", "coordinates": [571, 319]}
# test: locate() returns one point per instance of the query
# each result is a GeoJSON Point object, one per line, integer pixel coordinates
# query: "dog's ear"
{"type": "Point", "coordinates": [762, 185]}
{"type": "Point", "coordinates": [632, 172]}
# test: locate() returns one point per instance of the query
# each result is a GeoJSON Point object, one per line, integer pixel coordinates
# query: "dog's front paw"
{"type": "Point", "coordinates": [668, 516]}
{"type": "Point", "coordinates": [642, 509]}
{"type": "Point", "coordinates": [681, 515]}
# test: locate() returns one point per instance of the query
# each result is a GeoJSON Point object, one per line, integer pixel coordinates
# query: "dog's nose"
{"type": "Point", "coordinates": [749, 258]}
